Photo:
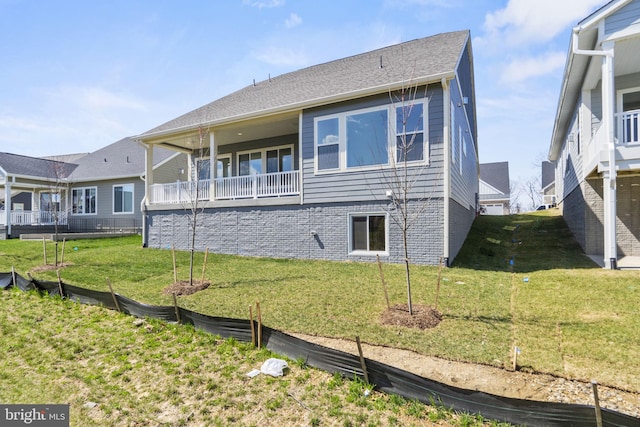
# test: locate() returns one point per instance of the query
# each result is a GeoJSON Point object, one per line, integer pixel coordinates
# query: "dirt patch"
{"type": "Point", "coordinates": [49, 267]}
{"type": "Point", "coordinates": [183, 287]}
{"type": "Point", "coordinates": [423, 316]}
{"type": "Point", "coordinates": [490, 379]}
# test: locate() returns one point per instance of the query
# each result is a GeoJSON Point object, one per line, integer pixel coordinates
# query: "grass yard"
{"type": "Point", "coordinates": [115, 370]}
{"type": "Point", "coordinates": [519, 281]}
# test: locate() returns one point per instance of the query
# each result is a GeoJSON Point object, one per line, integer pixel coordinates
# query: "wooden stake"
{"type": "Point", "coordinates": [259, 325]}
{"type": "Point", "coordinates": [115, 300]}
{"type": "Point", "coordinates": [438, 285]}
{"type": "Point", "coordinates": [60, 284]}
{"type": "Point", "coordinates": [384, 284]}
{"type": "Point", "coordinates": [175, 305]}
{"type": "Point", "coordinates": [204, 265]}
{"type": "Point", "coordinates": [62, 256]}
{"type": "Point", "coordinates": [253, 326]}
{"type": "Point", "coordinates": [13, 276]}
{"type": "Point", "coordinates": [175, 270]}
{"type": "Point", "coordinates": [516, 350]}
{"type": "Point", "coordinates": [44, 250]}
{"type": "Point", "coordinates": [594, 385]}
{"type": "Point", "coordinates": [362, 364]}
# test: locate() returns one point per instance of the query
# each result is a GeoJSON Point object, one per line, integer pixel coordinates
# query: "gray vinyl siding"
{"type": "Point", "coordinates": [104, 207]}
{"type": "Point", "coordinates": [350, 186]}
{"type": "Point", "coordinates": [170, 170]}
{"type": "Point", "coordinates": [572, 168]}
{"type": "Point", "coordinates": [623, 18]}
{"type": "Point", "coordinates": [596, 107]}
{"type": "Point", "coordinates": [465, 78]}
{"type": "Point", "coordinates": [464, 169]}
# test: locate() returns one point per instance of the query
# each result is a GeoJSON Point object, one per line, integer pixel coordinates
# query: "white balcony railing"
{"type": "Point", "coordinates": [628, 127]}
{"type": "Point", "coordinates": [180, 191]}
{"type": "Point", "coordinates": [255, 186]}
{"type": "Point", "coordinates": [238, 187]}
{"type": "Point", "coordinates": [34, 218]}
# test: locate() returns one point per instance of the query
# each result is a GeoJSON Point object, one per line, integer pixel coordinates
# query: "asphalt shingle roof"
{"type": "Point", "coordinates": [16, 164]}
{"type": "Point", "coordinates": [123, 158]}
{"type": "Point", "coordinates": [496, 175]}
{"type": "Point", "coordinates": [417, 60]}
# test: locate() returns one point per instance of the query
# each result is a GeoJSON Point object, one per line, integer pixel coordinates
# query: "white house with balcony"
{"type": "Point", "coordinates": [595, 145]}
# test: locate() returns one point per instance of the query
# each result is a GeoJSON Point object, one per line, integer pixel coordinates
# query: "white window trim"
{"type": "Point", "coordinates": [391, 138]}
{"type": "Point", "coordinates": [620, 94]}
{"type": "Point", "coordinates": [263, 156]}
{"type": "Point", "coordinates": [83, 189]}
{"type": "Point", "coordinates": [360, 252]}
{"type": "Point", "coordinates": [113, 199]}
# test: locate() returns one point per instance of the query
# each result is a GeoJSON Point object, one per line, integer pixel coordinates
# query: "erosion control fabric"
{"type": "Point", "coordinates": [386, 378]}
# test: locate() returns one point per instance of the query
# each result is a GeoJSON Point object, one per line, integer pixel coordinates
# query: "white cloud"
{"type": "Point", "coordinates": [522, 69]}
{"type": "Point", "coordinates": [525, 22]}
{"type": "Point", "coordinates": [261, 4]}
{"type": "Point", "coordinates": [293, 20]}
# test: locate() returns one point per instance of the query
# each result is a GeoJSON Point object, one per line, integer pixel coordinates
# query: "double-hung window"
{"type": "Point", "coordinates": [410, 132]}
{"type": "Point", "coordinates": [123, 199]}
{"type": "Point", "coordinates": [371, 137]}
{"type": "Point", "coordinates": [84, 201]}
{"type": "Point", "coordinates": [368, 233]}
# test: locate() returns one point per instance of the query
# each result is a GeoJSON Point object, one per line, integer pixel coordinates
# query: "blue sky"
{"type": "Point", "coordinates": [78, 75]}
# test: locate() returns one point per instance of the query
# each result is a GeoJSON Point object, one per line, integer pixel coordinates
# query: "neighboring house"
{"type": "Point", "coordinates": [548, 183]}
{"type": "Point", "coordinates": [304, 165]}
{"type": "Point", "coordinates": [495, 194]}
{"type": "Point", "coordinates": [100, 191]}
{"type": "Point", "coordinates": [595, 144]}
{"type": "Point", "coordinates": [31, 183]}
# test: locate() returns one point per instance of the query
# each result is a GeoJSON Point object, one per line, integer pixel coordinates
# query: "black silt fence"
{"type": "Point", "coordinates": [386, 378]}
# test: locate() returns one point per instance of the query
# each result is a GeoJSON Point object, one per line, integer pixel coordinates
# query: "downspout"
{"type": "Point", "coordinates": [148, 181]}
{"type": "Point", "coordinates": [608, 109]}
{"type": "Point", "coordinates": [446, 142]}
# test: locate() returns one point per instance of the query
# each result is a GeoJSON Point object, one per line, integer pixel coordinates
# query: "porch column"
{"type": "Point", "coordinates": [609, 176]}
{"type": "Point", "coordinates": [7, 204]}
{"type": "Point", "coordinates": [148, 182]}
{"type": "Point", "coordinates": [213, 164]}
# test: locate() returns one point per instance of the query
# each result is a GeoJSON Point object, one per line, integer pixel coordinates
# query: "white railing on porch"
{"type": "Point", "coordinates": [34, 218]}
{"type": "Point", "coordinates": [628, 126]}
{"type": "Point", "coordinates": [238, 187]}
{"type": "Point", "coordinates": [255, 186]}
{"type": "Point", "coordinates": [180, 191]}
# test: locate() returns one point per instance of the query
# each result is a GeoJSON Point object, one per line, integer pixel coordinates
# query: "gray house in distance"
{"type": "Point", "coordinates": [548, 183]}
{"type": "Point", "coordinates": [310, 164]}
{"type": "Point", "coordinates": [97, 192]}
{"type": "Point", "coordinates": [595, 144]}
{"type": "Point", "coordinates": [495, 193]}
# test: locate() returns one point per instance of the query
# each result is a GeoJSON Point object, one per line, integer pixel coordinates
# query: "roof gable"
{"type": "Point", "coordinates": [417, 61]}
{"type": "Point", "coordinates": [124, 158]}
{"type": "Point", "coordinates": [496, 175]}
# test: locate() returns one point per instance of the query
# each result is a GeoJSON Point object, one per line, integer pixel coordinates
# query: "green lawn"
{"type": "Point", "coordinates": [519, 281]}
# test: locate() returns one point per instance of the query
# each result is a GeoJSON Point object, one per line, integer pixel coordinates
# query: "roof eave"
{"type": "Point", "coordinates": [435, 78]}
